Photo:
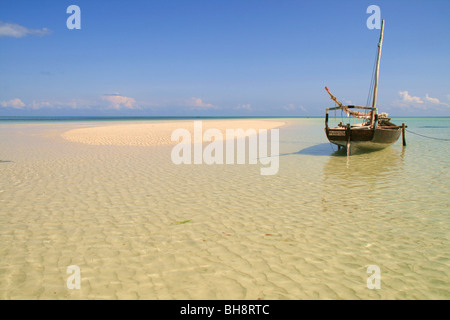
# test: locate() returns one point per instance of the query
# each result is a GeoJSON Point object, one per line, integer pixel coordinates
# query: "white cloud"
{"type": "Point", "coordinates": [247, 107]}
{"type": "Point", "coordinates": [40, 104]}
{"type": "Point", "coordinates": [13, 103]}
{"type": "Point", "coordinates": [197, 103]}
{"type": "Point", "coordinates": [104, 102]}
{"type": "Point", "coordinates": [434, 100]}
{"type": "Point", "coordinates": [408, 98]}
{"type": "Point", "coordinates": [116, 101]}
{"type": "Point", "coordinates": [426, 103]}
{"type": "Point", "coordinates": [111, 101]}
{"type": "Point", "coordinates": [293, 107]}
{"type": "Point", "coordinates": [56, 104]}
{"type": "Point", "coordinates": [18, 31]}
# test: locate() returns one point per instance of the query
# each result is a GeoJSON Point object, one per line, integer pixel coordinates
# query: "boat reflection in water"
{"type": "Point", "coordinates": [365, 165]}
{"type": "Point", "coordinates": [366, 183]}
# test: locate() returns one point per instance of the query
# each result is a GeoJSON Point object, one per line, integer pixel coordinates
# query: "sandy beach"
{"type": "Point", "coordinates": [157, 134]}
{"type": "Point", "coordinates": [106, 197]}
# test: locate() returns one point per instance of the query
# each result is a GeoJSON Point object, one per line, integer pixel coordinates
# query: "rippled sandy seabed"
{"type": "Point", "coordinates": [141, 227]}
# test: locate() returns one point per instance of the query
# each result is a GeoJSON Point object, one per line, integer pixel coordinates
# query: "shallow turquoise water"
{"type": "Point", "coordinates": [308, 232]}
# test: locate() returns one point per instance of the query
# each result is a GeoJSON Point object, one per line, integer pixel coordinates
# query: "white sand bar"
{"type": "Point", "coordinates": [155, 133]}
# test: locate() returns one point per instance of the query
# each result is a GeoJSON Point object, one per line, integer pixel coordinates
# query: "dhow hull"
{"type": "Point", "coordinates": [369, 139]}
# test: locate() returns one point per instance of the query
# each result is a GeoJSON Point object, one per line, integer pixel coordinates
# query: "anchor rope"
{"type": "Point", "coordinates": [427, 136]}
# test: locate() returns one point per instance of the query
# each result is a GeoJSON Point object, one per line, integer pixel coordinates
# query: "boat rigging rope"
{"type": "Point", "coordinates": [427, 136]}
{"type": "Point", "coordinates": [373, 80]}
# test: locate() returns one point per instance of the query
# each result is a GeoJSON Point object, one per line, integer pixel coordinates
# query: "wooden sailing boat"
{"type": "Point", "coordinates": [375, 131]}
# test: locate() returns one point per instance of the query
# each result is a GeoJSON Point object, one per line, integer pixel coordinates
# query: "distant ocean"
{"type": "Point", "coordinates": [22, 119]}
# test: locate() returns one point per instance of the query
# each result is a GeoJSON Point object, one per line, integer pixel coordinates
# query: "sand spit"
{"type": "Point", "coordinates": [156, 134]}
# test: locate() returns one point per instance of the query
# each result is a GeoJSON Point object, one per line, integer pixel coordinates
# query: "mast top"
{"type": "Point", "coordinates": [377, 72]}
{"type": "Point", "coordinates": [381, 33]}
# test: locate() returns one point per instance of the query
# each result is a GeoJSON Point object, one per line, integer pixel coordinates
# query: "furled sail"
{"type": "Point", "coordinates": [356, 114]}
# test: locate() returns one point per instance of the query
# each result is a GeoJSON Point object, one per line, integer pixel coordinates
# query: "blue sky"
{"type": "Point", "coordinates": [220, 57]}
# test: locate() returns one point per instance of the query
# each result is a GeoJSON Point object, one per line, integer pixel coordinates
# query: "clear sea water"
{"type": "Point", "coordinates": [141, 227]}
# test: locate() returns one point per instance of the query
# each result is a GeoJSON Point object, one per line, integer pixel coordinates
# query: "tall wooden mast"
{"type": "Point", "coordinates": [377, 72]}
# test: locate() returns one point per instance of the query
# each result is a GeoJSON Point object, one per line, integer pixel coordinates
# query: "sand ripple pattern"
{"type": "Point", "coordinates": [140, 227]}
